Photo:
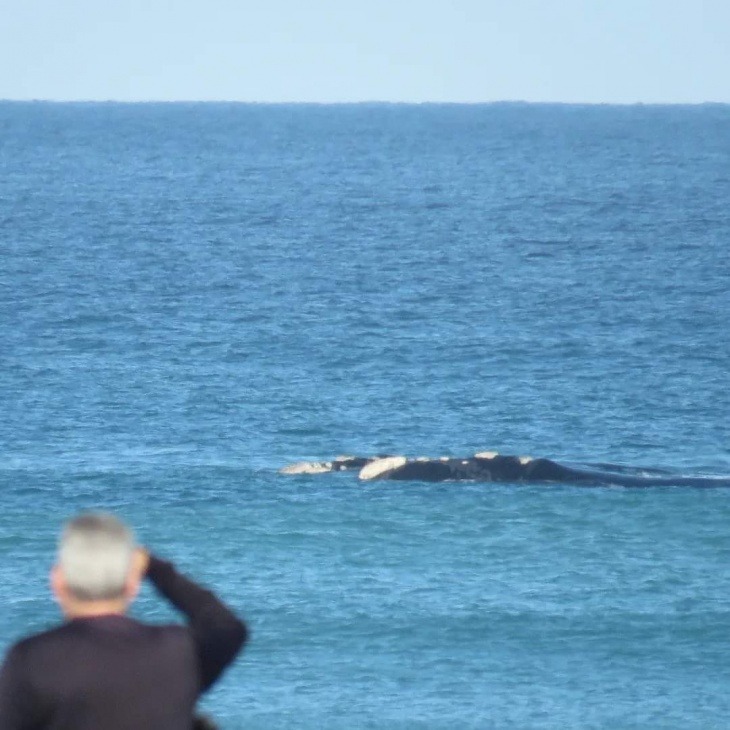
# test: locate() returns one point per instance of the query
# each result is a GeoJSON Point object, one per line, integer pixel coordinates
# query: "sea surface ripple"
{"type": "Point", "coordinates": [193, 295]}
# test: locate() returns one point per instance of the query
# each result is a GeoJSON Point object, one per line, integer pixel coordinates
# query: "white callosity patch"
{"type": "Point", "coordinates": [380, 466]}
{"type": "Point", "coordinates": [486, 454]}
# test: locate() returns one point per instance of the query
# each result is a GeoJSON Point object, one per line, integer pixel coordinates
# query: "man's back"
{"type": "Point", "coordinates": [108, 672]}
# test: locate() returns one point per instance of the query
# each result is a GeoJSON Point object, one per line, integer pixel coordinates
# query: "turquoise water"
{"type": "Point", "coordinates": [192, 296]}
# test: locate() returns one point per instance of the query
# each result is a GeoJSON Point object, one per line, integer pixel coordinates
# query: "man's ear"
{"type": "Point", "coordinates": [140, 562]}
{"type": "Point", "coordinates": [131, 588]}
{"type": "Point", "coordinates": [135, 576]}
{"type": "Point", "coordinates": [58, 584]}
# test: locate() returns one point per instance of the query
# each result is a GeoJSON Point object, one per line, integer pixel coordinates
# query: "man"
{"type": "Point", "coordinates": [102, 670]}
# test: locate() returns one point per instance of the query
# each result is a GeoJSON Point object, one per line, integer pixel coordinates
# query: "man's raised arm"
{"type": "Point", "coordinates": [218, 633]}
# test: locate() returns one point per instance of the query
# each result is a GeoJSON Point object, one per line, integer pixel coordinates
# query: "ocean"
{"type": "Point", "coordinates": [194, 295]}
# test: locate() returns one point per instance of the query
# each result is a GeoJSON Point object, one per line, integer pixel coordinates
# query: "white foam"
{"type": "Point", "coordinates": [486, 454]}
{"type": "Point", "coordinates": [525, 460]}
{"type": "Point", "coordinates": [307, 467]}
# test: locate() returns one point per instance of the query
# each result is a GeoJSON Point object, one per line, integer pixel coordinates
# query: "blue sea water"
{"type": "Point", "coordinates": [193, 295]}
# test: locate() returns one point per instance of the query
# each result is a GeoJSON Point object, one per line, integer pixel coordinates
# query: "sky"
{"type": "Point", "coordinates": [581, 51]}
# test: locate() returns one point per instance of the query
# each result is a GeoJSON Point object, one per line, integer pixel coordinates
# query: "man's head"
{"type": "Point", "coordinates": [97, 565]}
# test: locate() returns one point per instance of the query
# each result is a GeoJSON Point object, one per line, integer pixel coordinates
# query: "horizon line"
{"type": "Point", "coordinates": [362, 102]}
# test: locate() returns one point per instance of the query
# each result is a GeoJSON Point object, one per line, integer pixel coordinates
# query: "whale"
{"type": "Point", "coordinates": [491, 466]}
{"type": "Point", "coordinates": [339, 463]}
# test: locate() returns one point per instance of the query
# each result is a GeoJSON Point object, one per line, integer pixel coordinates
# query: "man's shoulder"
{"type": "Point", "coordinates": [23, 650]}
{"type": "Point", "coordinates": [32, 641]}
{"type": "Point", "coordinates": [35, 644]}
{"type": "Point", "coordinates": [53, 639]}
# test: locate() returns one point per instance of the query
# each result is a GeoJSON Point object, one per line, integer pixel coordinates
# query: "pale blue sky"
{"type": "Point", "coordinates": [620, 51]}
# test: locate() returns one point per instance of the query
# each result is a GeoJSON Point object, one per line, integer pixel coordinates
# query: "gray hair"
{"type": "Point", "coordinates": [95, 554]}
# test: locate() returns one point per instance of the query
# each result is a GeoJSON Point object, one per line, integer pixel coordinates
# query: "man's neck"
{"type": "Point", "coordinates": [88, 609]}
